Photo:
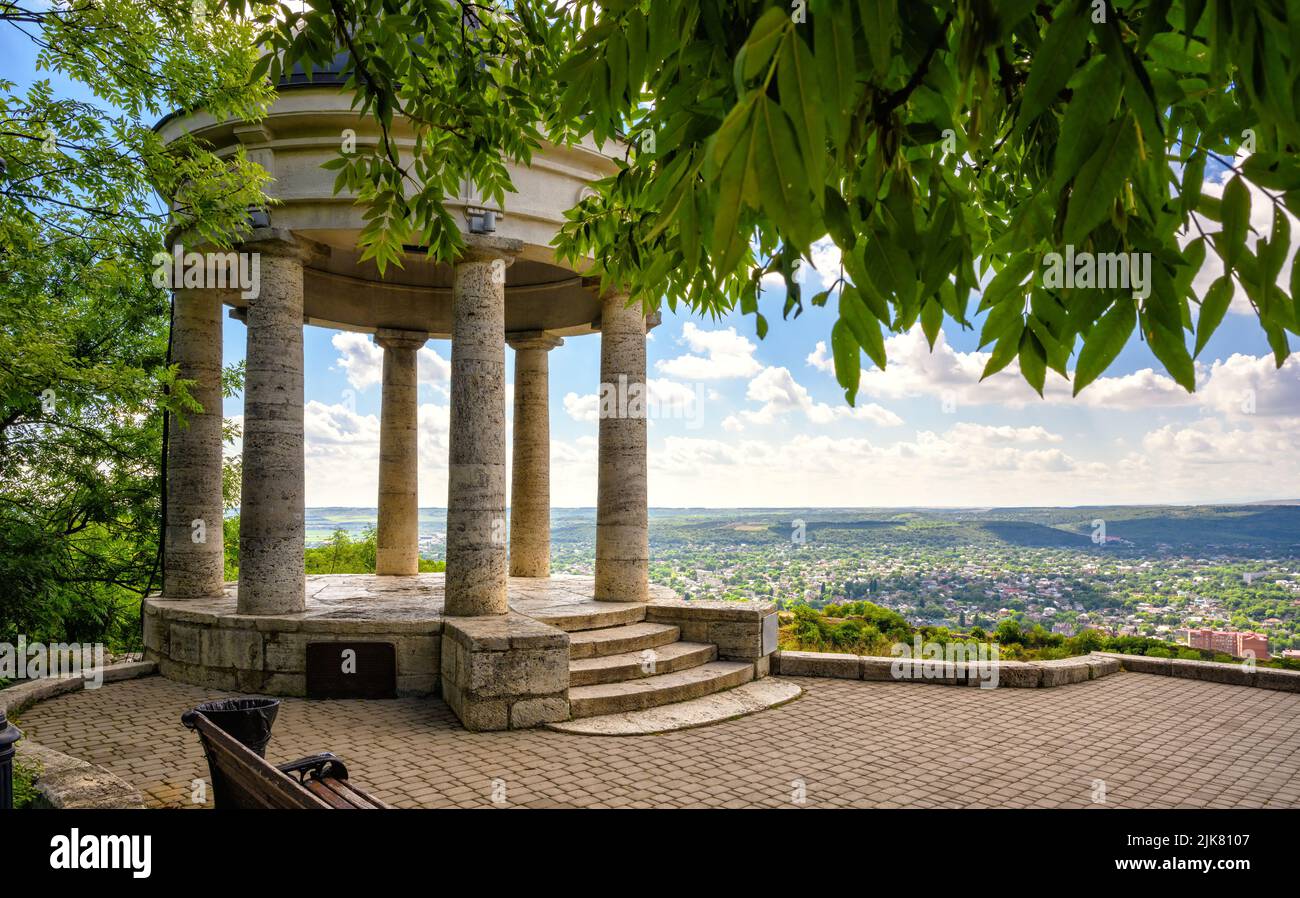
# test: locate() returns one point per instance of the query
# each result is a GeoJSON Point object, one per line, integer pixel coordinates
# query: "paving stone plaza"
{"type": "Point", "coordinates": [1150, 741]}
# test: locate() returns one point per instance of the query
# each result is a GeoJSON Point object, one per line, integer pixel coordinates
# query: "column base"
{"type": "Point", "coordinates": [397, 562]}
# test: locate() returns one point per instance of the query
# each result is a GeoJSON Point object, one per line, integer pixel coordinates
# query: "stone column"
{"type": "Point", "coordinates": [476, 481]}
{"type": "Point", "coordinates": [272, 579]}
{"type": "Point", "coordinates": [530, 477]}
{"type": "Point", "coordinates": [193, 558]}
{"type": "Point", "coordinates": [397, 543]}
{"type": "Point", "coordinates": [622, 517]}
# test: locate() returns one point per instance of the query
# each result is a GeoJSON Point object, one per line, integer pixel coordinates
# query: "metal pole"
{"type": "Point", "coordinates": [9, 734]}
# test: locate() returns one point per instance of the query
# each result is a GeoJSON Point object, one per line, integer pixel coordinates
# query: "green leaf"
{"type": "Point", "coordinates": [1100, 181]}
{"type": "Point", "coordinates": [864, 326]}
{"type": "Point", "coordinates": [848, 365]}
{"type": "Point", "coordinates": [1054, 62]}
{"type": "Point", "coordinates": [1009, 282]}
{"type": "Point", "coordinates": [931, 321]}
{"type": "Point", "coordinates": [734, 149]}
{"type": "Point", "coordinates": [1213, 308]}
{"type": "Point", "coordinates": [1007, 349]}
{"type": "Point", "coordinates": [801, 99]}
{"type": "Point", "coordinates": [764, 38]}
{"type": "Point", "coordinates": [1033, 361]}
{"type": "Point", "coordinates": [1171, 349]}
{"type": "Point", "coordinates": [1104, 342]}
{"type": "Point", "coordinates": [782, 174]}
{"type": "Point", "coordinates": [880, 24]}
{"type": "Point", "coordinates": [838, 222]}
{"type": "Point", "coordinates": [836, 69]}
{"type": "Point", "coordinates": [1096, 95]}
{"type": "Point", "coordinates": [1236, 220]}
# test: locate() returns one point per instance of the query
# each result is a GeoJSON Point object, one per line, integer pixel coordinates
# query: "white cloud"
{"type": "Point", "coordinates": [359, 358]}
{"type": "Point", "coordinates": [945, 374]}
{"type": "Point", "coordinates": [363, 363]}
{"type": "Point", "coordinates": [665, 399]}
{"type": "Point", "coordinates": [1253, 385]}
{"type": "Point", "coordinates": [341, 454]}
{"type": "Point", "coordinates": [820, 360]}
{"type": "Point", "coordinates": [434, 370]}
{"type": "Point", "coordinates": [780, 394]}
{"type": "Point", "coordinates": [713, 355]}
{"type": "Point", "coordinates": [991, 435]}
{"type": "Point", "coordinates": [951, 468]}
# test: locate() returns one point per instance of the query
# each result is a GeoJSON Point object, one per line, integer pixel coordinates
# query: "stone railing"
{"type": "Point", "coordinates": [1013, 674]}
{"type": "Point", "coordinates": [1212, 672]}
{"type": "Point", "coordinates": [1024, 674]}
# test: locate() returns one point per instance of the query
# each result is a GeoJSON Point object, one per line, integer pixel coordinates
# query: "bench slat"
{"type": "Point", "coordinates": [258, 783]}
{"type": "Point", "coordinates": [352, 795]}
{"type": "Point", "coordinates": [323, 790]}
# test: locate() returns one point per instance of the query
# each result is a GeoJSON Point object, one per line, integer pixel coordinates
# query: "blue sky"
{"type": "Point", "coordinates": [772, 428]}
{"type": "Point", "coordinates": [767, 425]}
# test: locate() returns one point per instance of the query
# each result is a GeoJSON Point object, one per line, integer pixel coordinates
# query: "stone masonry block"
{"type": "Point", "coordinates": [186, 644]}
{"type": "Point", "coordinates": [1272, 678]}
{"type": "Point", "coordinates": [737, 640]}
{"type": "Point", "coordinates": [1064, 672]}
{"type": "Point", "coordinates": [517, 673]}
{"type": "Point", "coordinates": [240, 649]}
{"type": "Point", "coordinates": [418, 654]}
{"type": "Point", "coordinates": [531, 712]}
{"type": "Point", "coordinates": [818, 664]}
{"type": "Point", "coordinates": [504, 671]}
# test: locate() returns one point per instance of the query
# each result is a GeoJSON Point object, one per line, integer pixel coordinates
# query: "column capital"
{"type": "Point", "coordinates": [392, 338]}
{"type": "Point", "coordinates": [486, 248]}
{"type": "Point", "coordinates": [533, 340]}
{"type": "Point", "coordinates": [283, 243]}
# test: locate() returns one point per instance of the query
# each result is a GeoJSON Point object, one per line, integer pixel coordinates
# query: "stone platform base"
{"type": "Point", "coordinates": [509, 671]}
{"type": "Point", "coordinates": [206, 642]}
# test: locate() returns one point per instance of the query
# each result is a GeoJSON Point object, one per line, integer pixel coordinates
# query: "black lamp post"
{"type": "Point", "coordinates": [9, 734]}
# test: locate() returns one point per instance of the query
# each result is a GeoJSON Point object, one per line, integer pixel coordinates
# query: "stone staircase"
{"type": "Point", "coordinates": [621, 663]}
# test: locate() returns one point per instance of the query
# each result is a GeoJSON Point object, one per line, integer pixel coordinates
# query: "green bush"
{"type": "Point", "coordinates": [24, 783]}
{"type": "Point", "coordinates": [1086, 641]}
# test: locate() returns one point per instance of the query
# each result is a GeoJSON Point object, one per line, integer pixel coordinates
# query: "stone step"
{"type": "Point", "coordinates": [759, 695]}
{"type": "Point", "coordinates": [584, 615]}
{"type": "Point", "coordinates": [635, 665]}
{"type": "Point", "coordinates": [617, 640]}
{"type": "Point", "coordinates": [663, 689]}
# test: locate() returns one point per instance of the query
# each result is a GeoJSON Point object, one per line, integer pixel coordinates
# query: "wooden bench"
{"type": "Point", "coordinates": [241, 779]}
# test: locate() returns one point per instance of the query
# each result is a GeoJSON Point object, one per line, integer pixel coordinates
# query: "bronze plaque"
{"type": "Point", "coordinates": [351, 670]}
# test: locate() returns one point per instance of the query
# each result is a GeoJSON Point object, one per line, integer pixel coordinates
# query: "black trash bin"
{"type": "Point", "coordinates": [247, 719]}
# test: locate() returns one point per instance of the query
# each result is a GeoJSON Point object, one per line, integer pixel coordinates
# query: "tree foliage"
{"type": "Point", "coordinates": [84, 373]}
{"type": "Point", "coordinates": [944, 146]}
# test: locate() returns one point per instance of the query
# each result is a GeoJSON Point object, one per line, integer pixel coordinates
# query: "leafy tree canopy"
{"type": "Point", "coordinates": [941, 144]}
{"type": "Point", "coordinates": [84, 371]}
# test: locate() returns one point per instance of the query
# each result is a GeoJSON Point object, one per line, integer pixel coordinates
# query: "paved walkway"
{"type": "Point", "coordinates": [1152, 741]}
